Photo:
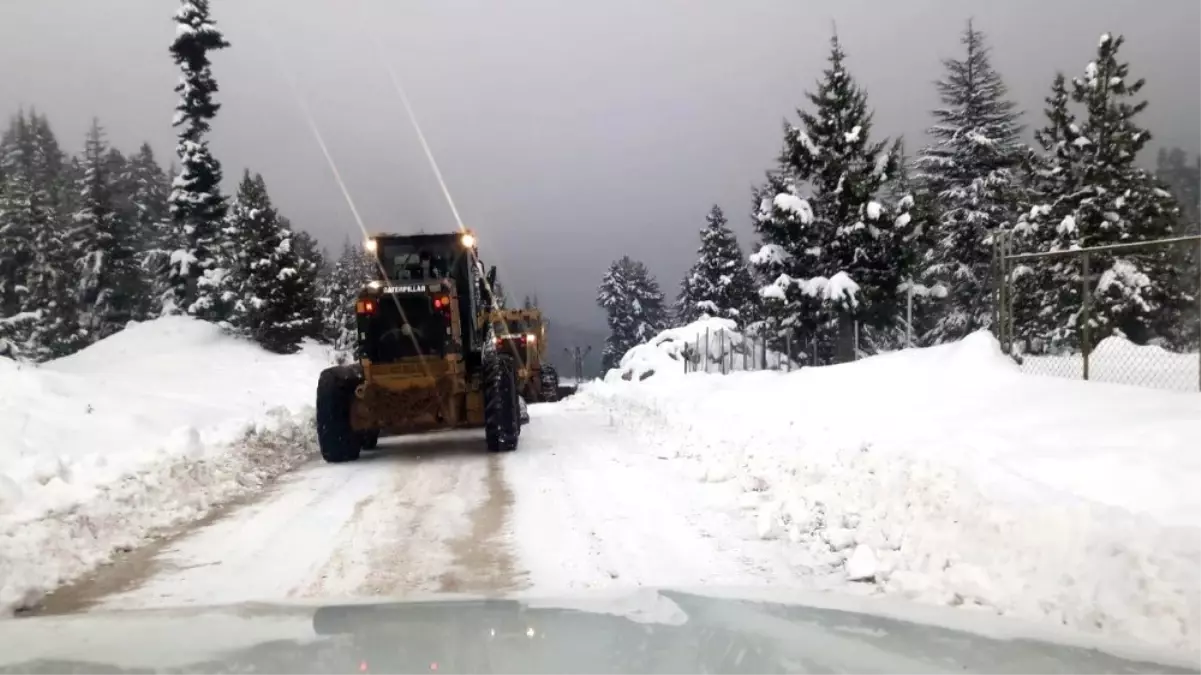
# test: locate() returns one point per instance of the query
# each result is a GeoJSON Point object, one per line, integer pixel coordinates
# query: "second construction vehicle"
{"type": "Point", "coordinates": [425, 359]}
{"type": "Point", "coordinates": [521, 333]}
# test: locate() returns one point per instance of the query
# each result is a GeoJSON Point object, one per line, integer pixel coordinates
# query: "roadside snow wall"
{"type": "Point", "coordinates": [148, 429]}
{"type": "Point", "coordinates": [946, 476]}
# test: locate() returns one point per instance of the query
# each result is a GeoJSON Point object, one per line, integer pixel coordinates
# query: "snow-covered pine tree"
{"type": "Point", "coordinates": [718, 283]}
{"type": "Point", "coordinates": [1095, 194]}
{"type": "Point", "coordinates": [349, 273]}
{"type": "Point", "coordinates": [1042, 289]}
{"type": "Point", "coordinates": [108, 279]}
{"type": "Point", "coordinates": [198, 278]}
{"type": "Point", "coordinates": [274, 298]}
{"type": "Point", "coordinates": [633, 302]}
{"type": "Point", "coordinates": [833, 253]}
{"type": "Point", "coordinates": [914, 206]}
{"type": "Point", "coordinates": [35, 238]}
{"type": "Point", "coordinates": [972, 173]}
{"type": "Point", "coordinates": [311, 265]}
{"type": "Point", "coordinates": [16, 234]}
{"type": "Point", "coordinates": [152, 228]}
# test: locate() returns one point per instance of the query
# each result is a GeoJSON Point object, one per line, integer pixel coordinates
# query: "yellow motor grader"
{"type": "Point", "coordinates": [425, 357]}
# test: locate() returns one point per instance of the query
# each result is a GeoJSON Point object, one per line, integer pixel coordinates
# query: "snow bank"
{"type": "Point", "coordinates": [708, 344]}
{"type": "Point", "coordinates": [944, 475]}
{"type": "Point", "coordinates": [1116, 360]}
{"type": "Point", "coordinates": [145, 430]}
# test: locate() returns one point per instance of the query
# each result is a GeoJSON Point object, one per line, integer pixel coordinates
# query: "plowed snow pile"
{"type": "Point", "coordinates": [141, 431]}
{"type": "Point", "coordinates": [946, 476]}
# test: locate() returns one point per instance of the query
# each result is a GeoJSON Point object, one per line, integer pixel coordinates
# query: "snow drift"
{"type": "Point", "coordinates": [708, 344]}
{"type": "Point", "coordinates": [945, 475]}
{"type": "Point", "coordinates": [142, 431]}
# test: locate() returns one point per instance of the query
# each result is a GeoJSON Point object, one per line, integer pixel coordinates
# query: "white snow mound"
{"type": "Point", "coordinates": [946, 475]}
{"type": "Point", "coordinates": [711, 344]}
{"type": "Point", "coordinates": [144, 430]}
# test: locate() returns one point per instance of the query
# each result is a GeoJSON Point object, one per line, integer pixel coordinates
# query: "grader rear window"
{"type": "Point", "coordinates": [404, 261]}
{"type": "Point", "coordinates": [424, 334]}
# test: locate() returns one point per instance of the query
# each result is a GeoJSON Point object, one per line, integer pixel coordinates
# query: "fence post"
{"type": "Point", "coordinates": [745, 365]}
{"type": "Point", "coordinates": [721, 352]}
{"type": "Point", "coordinates": [1085, 307]}
{"type": "Point", "coordinates": [1010, 297]}
{"type": "Point", "coordinates": [998, 291]}
{"type": "Point", "coordinates": [706, 349]}
{"type": "Point", "coordinates": [855, 352]}
{"type": "Point", "coordinates": [1199, 315]}
{"type": "Point", "coordinates": [788, 347]}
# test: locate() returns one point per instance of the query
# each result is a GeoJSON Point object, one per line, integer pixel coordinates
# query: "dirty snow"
{"type": "Point", "coordinates": [144, 430]}
{"type": "Point", "coordinates": [946, 476]}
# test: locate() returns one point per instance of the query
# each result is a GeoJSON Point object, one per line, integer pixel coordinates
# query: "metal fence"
{"type": "Point", "coordinates": [1078, 333]}
{"type": "Point", "coordinates": [722, 351]}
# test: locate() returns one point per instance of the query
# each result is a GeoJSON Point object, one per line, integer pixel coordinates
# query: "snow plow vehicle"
{"type": "Point", "coordinates": [425, 360]}
{"type": "Point", "coordinates": [522, 333]}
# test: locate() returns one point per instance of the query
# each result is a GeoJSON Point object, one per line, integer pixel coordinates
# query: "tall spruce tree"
{"type": "Point", "coordinates": [198, 272]}
{"type": "Point", "coordinates": [972, 174]}
{"type": "Point", "coordinates": [18, 316]}
{"type": "Point", "coordinates": [1090, 192]}
{"type": "Point", "coordinates": [36, 275]}
{"type": "Point", "coordinates": [17, 214]}
{"type": "Point", "coordinates": [274, 296]}
{"type": "Point", "coordinates": [151, 225]}
{"type": "Point", "coordinates": [108, 288]}
{"type": "Point", "coordinates": [831, 251]}
{"type": "Point", "coordinates": [633, 303]}
{"type": "Point", "coordinates": [718, 283]}
{"type": "Point", "coordinates": [311, 265]}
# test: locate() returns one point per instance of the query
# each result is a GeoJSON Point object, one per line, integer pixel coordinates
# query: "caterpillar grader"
{"type": "Point", "coordinates": [426, 357]}
{"type": "Point", "coordinates": [522, 333]}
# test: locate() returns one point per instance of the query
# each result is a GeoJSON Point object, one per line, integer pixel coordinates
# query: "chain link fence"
{"type": "Point", "coordinates": [1093, 314]}
{"type": "Point", "coordinates": [721, 351]}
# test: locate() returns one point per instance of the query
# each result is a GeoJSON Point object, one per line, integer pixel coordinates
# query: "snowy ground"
{"type": "Point", "coordinates": [1117, 361]}
{"type": "Point", "coordinates": [940, 475]}
{"type": "Point", "coordinates": [142, 431]}
{"type": "Point", "coordinates": [946, 476]}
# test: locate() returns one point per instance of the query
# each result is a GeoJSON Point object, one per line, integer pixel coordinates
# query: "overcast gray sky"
{"type": "Point", "coordinates": [570, 132]}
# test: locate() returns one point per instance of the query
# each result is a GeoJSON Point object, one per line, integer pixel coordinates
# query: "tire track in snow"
{"type": "Point", "coordinates": [422, 514]}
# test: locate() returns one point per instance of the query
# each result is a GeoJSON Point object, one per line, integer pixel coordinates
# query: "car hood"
{"type": "Point", "coordinates": [649, 631]}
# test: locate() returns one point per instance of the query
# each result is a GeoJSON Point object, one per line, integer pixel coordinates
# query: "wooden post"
{"type": "Point", "coordinates": [721, 352]}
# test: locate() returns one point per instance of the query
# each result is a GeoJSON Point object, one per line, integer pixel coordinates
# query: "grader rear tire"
{"type": "Point", "coordinates": [335, 391]}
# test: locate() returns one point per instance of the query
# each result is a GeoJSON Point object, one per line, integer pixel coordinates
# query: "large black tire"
{"type": "Point", "coordinates": [335, 391]}
{"type": "Point", "coordinates": [549, 380]}
{"type": "Point", "coordinates": [502, 423]}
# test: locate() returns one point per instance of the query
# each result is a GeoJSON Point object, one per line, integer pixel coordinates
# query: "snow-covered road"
{"type": "Point", "coordinates": [570, 510]}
